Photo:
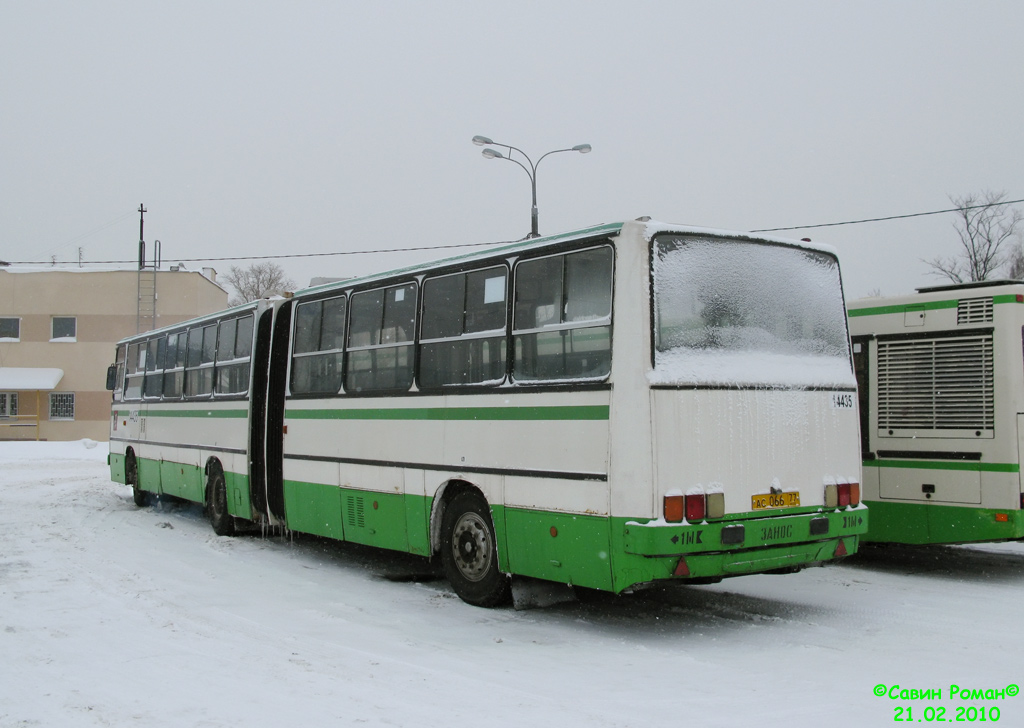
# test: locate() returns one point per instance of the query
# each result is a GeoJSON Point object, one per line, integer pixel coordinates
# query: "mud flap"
{"type": "Point", "coordinates": [530, 593]}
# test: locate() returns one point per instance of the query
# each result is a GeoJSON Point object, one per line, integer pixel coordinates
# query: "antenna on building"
{"type": "Point", "coordinates": [142, 239]}
{"type": "Point", "coordinates": [146, 310]}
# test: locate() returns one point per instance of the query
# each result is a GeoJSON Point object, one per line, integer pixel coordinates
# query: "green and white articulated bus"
{"type": "Point", "coordinates": [621, 406]}
{"type": "Point", "coordinates": [941, 381]}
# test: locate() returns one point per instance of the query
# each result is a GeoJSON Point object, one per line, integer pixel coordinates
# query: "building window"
{"type": "Point", "coordinates": [65, 328]}
{"type": "Point", "coordinates": [10, 329]}
{"type": "Point", "coordinates": [62, 405]}
{"type": "Point", "coordinates": [8, 404]}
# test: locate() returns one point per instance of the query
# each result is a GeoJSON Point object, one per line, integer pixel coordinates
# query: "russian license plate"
{"type": "Point", "coordinates": [790, 499]}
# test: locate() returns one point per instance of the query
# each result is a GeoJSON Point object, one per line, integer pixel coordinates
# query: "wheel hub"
{"type": "Point", "coordinates": [471, 548]}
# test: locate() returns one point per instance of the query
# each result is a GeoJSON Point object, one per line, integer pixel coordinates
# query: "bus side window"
{"type": "Point", "coordinates": [135, 370]}
{"type": "Point", "coordinates": [562, 327]}
{"type": "Point", "coordinates": [119, 362]}
{"type": "Point", "coordinates": [174, 365]}
{"type": "Point", "coordinates": [459, 311]}
{"type": "Point", "coordinates": [317, 347]}
{"type": "Point", "coordinates": [202, 344]}
{"type": "Point", "coordinates": [154, 385]}
{"type": "Point", "coordinates": [380, 344]}
{"type": "Point", "coordinates": [232, 373]}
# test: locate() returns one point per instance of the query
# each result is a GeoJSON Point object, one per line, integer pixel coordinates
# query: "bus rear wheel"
{"type": "Point", "coordinates": [469, 553]}
{"type": "Point", "coordinates": [131, 477]}
{"type": "Point", "coordinates": [217, 505]}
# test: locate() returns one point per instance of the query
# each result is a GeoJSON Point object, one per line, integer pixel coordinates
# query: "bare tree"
{"type": "Point", "coordinates": [1015, 264]}
{"type": "Point", "coordinates": [258, 280]}
{"type": "Point", "coordinates": [984, 224]}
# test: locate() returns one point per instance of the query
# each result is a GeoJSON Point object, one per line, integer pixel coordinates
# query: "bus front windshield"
{"type": "Point", "coordinates": [742, 313]}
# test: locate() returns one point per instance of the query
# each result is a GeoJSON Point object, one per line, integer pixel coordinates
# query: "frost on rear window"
{"type": "Point", "coordinates": [731, 312]}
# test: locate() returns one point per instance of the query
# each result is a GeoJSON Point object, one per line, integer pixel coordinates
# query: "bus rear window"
{"type": "Point", "coordinates": [731, 312]}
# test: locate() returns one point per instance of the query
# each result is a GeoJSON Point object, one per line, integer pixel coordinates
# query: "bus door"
{"type": "Point", "coordinates": [276, 386]}
{"type": "Point", "coordinates": [258, 414]}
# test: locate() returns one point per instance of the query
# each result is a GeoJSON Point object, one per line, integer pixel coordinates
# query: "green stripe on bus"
{"type": "Point", "coordinates": [901, 308]}
{"type": "Point", "coordinates": [926, 306]}
{"type": "Point", "coordinates": [582, 412]}
{"type": "Point", "coordinates": [945, 465]}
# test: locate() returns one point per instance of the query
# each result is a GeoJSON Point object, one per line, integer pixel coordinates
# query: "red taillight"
{"type": "Point", "coordinates": [696, 507]}
{"type": "Point", "coordinates": [673, 508]}
{"type": "Point", "coordinates": [844, 495]}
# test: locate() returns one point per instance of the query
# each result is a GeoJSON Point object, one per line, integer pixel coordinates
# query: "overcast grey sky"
{"type": "Point", "coordinates": [258, 128]}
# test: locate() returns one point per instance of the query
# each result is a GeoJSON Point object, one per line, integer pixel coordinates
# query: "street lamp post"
{"type": "Point", "coordinates": [531, 170]}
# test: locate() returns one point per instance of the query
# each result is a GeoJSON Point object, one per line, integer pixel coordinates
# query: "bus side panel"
{"type": "Point", "coordinates": [558, 529]}
{"type": "Point", "coordinates": [417, 512]}
{"type": "Point", "coordinates": [172, 481]}
{"type": "Point", "coordinates": [149, 475]}
{"type": "Point", "coordinates": [116, 461]}
{"type": "Point", "coordinates": [314, 508]}
{"type": "Point", "coordinates": [375, 516]}
{"type": "Point", "coordinates": [562, 547]}
{"type": "Point", "coordinates": [312, 498]}
{"type": "Point", "coordinates": [237, 485]}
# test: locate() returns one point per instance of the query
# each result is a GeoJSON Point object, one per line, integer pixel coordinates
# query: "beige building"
{"type": "Point", "coordinates": [58, 327]}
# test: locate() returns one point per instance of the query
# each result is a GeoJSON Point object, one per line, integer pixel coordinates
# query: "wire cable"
{"type": "Point", "coordinates": [502, 242]}
{"type": "Point", "coordinates": [882, 219]}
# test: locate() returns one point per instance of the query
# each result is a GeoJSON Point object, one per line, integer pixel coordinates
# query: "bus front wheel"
{"type": "Point", "coordinates": [217, 505]}
{"type": "Point", "coordinates": [131, 477]}
{"type": "Point", "coordinates": [469, 553]}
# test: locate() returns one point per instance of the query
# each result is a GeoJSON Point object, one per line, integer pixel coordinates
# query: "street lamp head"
{"type": "Point", "coordinates": [481, 140]}
{"type": "Point", "coordinates": [492, 154]}
{"type": "Point", "coordinates": [582, 148]}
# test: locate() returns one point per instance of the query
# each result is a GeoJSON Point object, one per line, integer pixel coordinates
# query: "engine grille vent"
{"type": "Point", "coordinates": [356, 511]}
{"type": "Point", "coordinates": [973, 311]}
{"type": "Point", "coordinates": [936, 384]}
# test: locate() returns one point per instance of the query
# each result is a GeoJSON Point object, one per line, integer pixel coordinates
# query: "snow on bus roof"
{"type": "Point", "coordinates": [652, 228]}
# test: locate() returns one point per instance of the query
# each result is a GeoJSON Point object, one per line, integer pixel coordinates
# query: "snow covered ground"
{"type": "Point", "coordinates": [112, 615]}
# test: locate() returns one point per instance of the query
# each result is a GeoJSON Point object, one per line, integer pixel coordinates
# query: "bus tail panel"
{"type": "Point", "coordinates": [939, 523]}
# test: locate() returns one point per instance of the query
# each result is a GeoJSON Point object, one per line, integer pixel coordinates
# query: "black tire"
{"type": "Point", "coordinates": [131, 477]}
{"type": "Point", "coordinates": [217, 505]}
{"type": "Point", "coordinates": [469, 554]}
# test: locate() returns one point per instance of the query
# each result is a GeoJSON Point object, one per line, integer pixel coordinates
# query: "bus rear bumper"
{"type": "Point", "coordinates": [712, 551]}
{"type": "Point", "coordinates": [677, 539]}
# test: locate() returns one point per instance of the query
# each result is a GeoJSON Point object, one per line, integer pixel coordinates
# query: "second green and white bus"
{"type": "Point", "coordinates": [941, 381]}
{"type": "Point", "coordinates": [625, 405]}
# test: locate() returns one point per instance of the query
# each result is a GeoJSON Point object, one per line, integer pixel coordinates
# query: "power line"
{"type": "Point", "coordinates": [276, 257]}
{"type": "Point", "coordinates": [881, 219]}
{"type": "Point", "coordinates": [476, 245]}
